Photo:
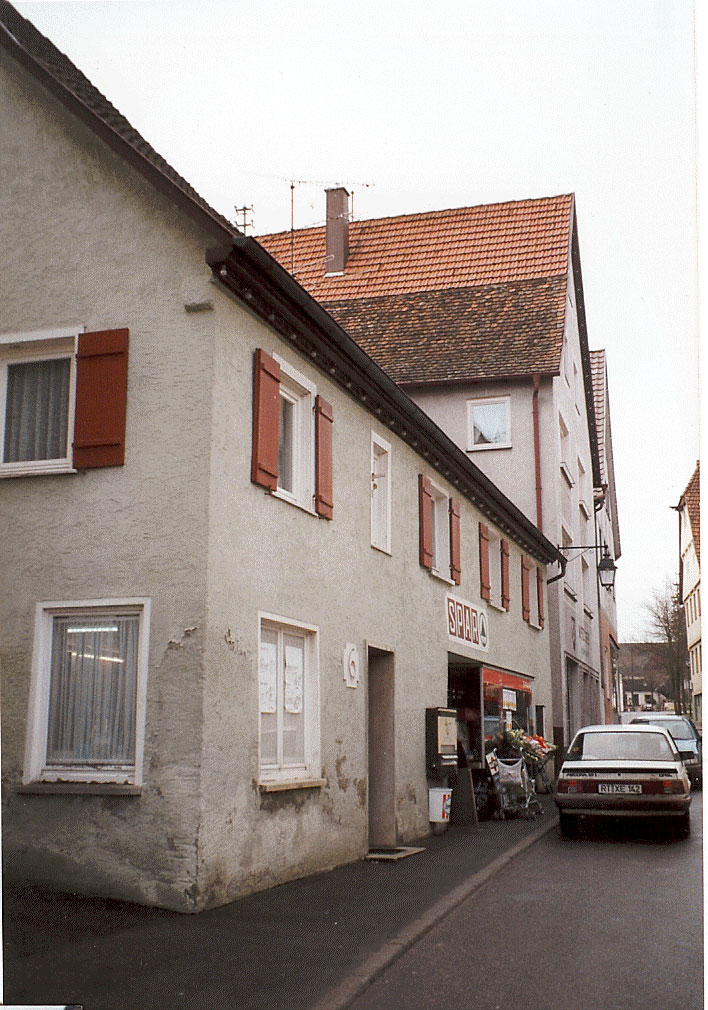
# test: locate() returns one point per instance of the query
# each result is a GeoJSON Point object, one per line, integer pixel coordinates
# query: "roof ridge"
{"type": "Point", "coordinates": [439, 212]}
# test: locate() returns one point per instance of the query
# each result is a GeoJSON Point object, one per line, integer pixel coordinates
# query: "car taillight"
{"type": "Point", "coordinates": [568, 786]}
{"type": "Point", "coordinates": [672, 785]}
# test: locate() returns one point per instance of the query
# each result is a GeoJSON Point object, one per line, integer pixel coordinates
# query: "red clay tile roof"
{"type": "Point", "coordinates": [692, 497]}
{"type": "Point", "coordinates": [437, 250]}
{"type": "Point", "coordinates": [469, 293]}
{"type": "Point", "coordinates": [409, 335]}
{"type": "Point", "coordinates": [598, 368]}
{"type": "Point", "coordinates": [597, 365]}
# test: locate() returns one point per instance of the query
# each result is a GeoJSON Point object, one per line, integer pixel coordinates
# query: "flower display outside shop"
{"type": "Point", "coordinates": [517, 743]}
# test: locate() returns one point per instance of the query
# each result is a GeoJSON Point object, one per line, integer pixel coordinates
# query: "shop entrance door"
{"type": "Point", "coordinates": [464, 694]}
{"type": "Point", "coordinates": [381, 724]}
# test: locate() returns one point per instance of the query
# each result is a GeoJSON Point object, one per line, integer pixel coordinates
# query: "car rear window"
{"type": "Point", "coordinates": [621, 747]}
{"type": "Point", "coordinates": [678, 728]}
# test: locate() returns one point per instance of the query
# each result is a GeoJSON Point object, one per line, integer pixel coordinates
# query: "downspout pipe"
{"type": "Point", "coordinates": [537, 450]}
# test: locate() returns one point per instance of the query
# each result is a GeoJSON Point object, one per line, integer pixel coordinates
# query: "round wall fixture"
{"type": "Point", "coordinates": [351, 665]}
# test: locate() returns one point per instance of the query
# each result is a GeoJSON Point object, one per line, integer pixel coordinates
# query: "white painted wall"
{"type": "Point", "coordinates": [513, 470]}
{"type": "Point", "coordinates": [182, 524]}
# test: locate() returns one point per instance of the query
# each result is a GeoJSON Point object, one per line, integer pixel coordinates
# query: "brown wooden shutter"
{"type": "Point", "coordinates": [506, 597]}
{"type": "Point", "coordinates": [525, 601]}
{"type": "Point", "coordinates": [455, 570]}
{"type": "Point", "coordinates": [324, 496]}
{"type": "Point", "coordinates": [101, 399]}
{"type": "Point", "coordinates": [266, 420]}
{"type": "Point", "coordinates": [425, 520]}
{"type": "Point", "coordinates": [485, 585]}
{"type": "Point", "coordinates": [539, 591]}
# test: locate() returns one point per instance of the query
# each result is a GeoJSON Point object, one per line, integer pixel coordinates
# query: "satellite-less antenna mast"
{"type": "Point", "coordinates": [244, 211]}
{"type": "Point", "coordinates": [315, 182]}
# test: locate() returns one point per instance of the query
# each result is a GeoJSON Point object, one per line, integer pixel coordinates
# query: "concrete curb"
{"type": "Point", "coordinates": [358, 980]}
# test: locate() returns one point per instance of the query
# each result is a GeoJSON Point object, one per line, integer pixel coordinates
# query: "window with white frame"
{"type": "Point", "coordinates": [289, 700]}
{"type": "Point", "coordinates": [565, 452]}
{"type": "Point", "coordinates": [569, 581]}
{"type": "Point", "coordinates": [588, 595]}
{"type": "Point", "coordinates": [37, 388]}
{"type": "Point", "coordinates": [296, 437]}
{"type": "Point", "coordinates": [440, 527]}
{"type": "Point", "coordinates": [380, 493]}
{"type": "Point", "coordinates": [87, 696]}
{"type": "Point", "coordinates": [489, 423]}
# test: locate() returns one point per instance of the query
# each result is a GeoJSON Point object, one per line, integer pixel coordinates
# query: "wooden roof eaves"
{"type": "Point", "coordinates": [270, 292]}
{"type": "Point", "coordinates": [476, 380]}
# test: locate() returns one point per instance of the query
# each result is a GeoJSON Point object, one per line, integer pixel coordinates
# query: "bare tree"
{"type": "Point", "coordinates": [667, 625]}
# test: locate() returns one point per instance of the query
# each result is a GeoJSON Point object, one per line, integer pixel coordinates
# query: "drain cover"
{"type": "Point", "coordinates": [395, 852]}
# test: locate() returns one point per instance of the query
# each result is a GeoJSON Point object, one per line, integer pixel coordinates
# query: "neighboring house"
{"type": "Point", "coordinates": [478, 313]}
{"type": "Point", "coordinates": [689, 509]}
{"type": "Point", "coordinates": [239, 563]}
{"type": "Point", "coordinates": [645, 675]}
{"type": "Point", "coordinates": [606, 532]}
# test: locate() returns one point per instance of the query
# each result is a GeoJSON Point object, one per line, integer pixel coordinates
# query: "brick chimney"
{"type": "Point", "coordinates": [337, 230]}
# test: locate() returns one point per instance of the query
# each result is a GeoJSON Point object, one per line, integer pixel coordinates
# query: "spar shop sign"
{"type": "Point", "coordinates": [467, 624]}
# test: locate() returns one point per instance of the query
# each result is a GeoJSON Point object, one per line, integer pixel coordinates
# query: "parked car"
{"type": "Point", "coordinates": [623, 771]}
{"type": "Point", "coordinates": [687, 738]}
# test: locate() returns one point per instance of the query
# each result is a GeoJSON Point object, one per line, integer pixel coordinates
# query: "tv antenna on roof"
{"type": "Point", "coordinates": [245, 224]}
{"type": "Point", "coordinates": [328, 184]}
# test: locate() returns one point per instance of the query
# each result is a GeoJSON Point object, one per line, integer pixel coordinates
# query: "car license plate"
{"type": "Point", "coordinates": [618, 787]}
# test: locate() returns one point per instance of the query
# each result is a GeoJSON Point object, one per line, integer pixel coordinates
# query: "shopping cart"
{"type": "Point", "coordinates": [514, 787]}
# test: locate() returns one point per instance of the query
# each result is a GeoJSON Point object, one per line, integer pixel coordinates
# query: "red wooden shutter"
{"type": "Point", "coordinates": [425, 521]}
{"type": "Point", "coordinates": [455, 570]}
{"type": "Point", "coordinates": [485, 585]}
{"type": "Point", "coordinates": [525, 602]}
{"type": "Point", "coordinates": [266, 420]}
{"type": "Point", "coordinates": [324, 497]}
{"type": "Point", "coordinates": [101, 399]}
{"type": "Point", "coordinates": [539, 591]}
{"type": "Point", "coordinates": [506, 598]}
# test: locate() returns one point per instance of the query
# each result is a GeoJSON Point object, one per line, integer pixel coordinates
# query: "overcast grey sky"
{"type": "Point", "coordinates": [454, 104]}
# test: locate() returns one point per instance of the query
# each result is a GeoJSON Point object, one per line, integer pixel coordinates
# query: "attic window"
{"type": "Point", "coordinates": [489, 423]}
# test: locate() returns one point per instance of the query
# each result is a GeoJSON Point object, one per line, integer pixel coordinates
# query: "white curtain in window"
{"type": "Point", "coordinates": [490, 423]}
{"type": "Point", "coordinates": [94, 665]}
{"type": "Point", "coordinates": [37, 410]}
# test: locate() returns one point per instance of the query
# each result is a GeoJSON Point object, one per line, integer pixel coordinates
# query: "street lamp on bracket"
{"type": "Point", "coordinates": [606, 568]}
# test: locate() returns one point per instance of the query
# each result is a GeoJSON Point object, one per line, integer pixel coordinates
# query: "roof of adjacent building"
{"type": "Point", "coordinates": [692, 497]}
{"type": "Point", "coordinates": [455, 248]}
{"type": "Point", "coordinates": [601, 396]}
{"type": "Point", "coordinates": [467, 293]}
{"type": "Point", "coordinates": [246, 269]}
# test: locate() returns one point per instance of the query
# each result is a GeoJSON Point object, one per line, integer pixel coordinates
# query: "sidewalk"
{"type": "Point", "coordinates": [312, 942]}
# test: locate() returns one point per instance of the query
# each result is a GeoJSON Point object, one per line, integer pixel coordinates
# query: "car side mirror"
{"type": "Point", "coordinates": [686, 755]}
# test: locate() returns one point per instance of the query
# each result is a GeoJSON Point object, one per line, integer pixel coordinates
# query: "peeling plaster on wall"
{"type": "Point", "coordinates": [362, 791]}
{"type": "Point", "coordinates": [178, 643]}
{"type": "Point", "coordinates": [342, 780]}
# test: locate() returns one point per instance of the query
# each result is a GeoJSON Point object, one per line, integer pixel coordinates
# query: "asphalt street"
{"type": "Point", "coordinates": [612, 919]}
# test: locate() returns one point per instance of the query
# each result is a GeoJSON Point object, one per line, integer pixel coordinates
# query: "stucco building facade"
{"type": "Point", "coordinates": [689, 510]}
{"type": "Point", "coordinates": [607, 532]}
{"type": "Point", "coordinates": [478, 313]}
{"type": "Point", "coordinates": [239, 562]}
